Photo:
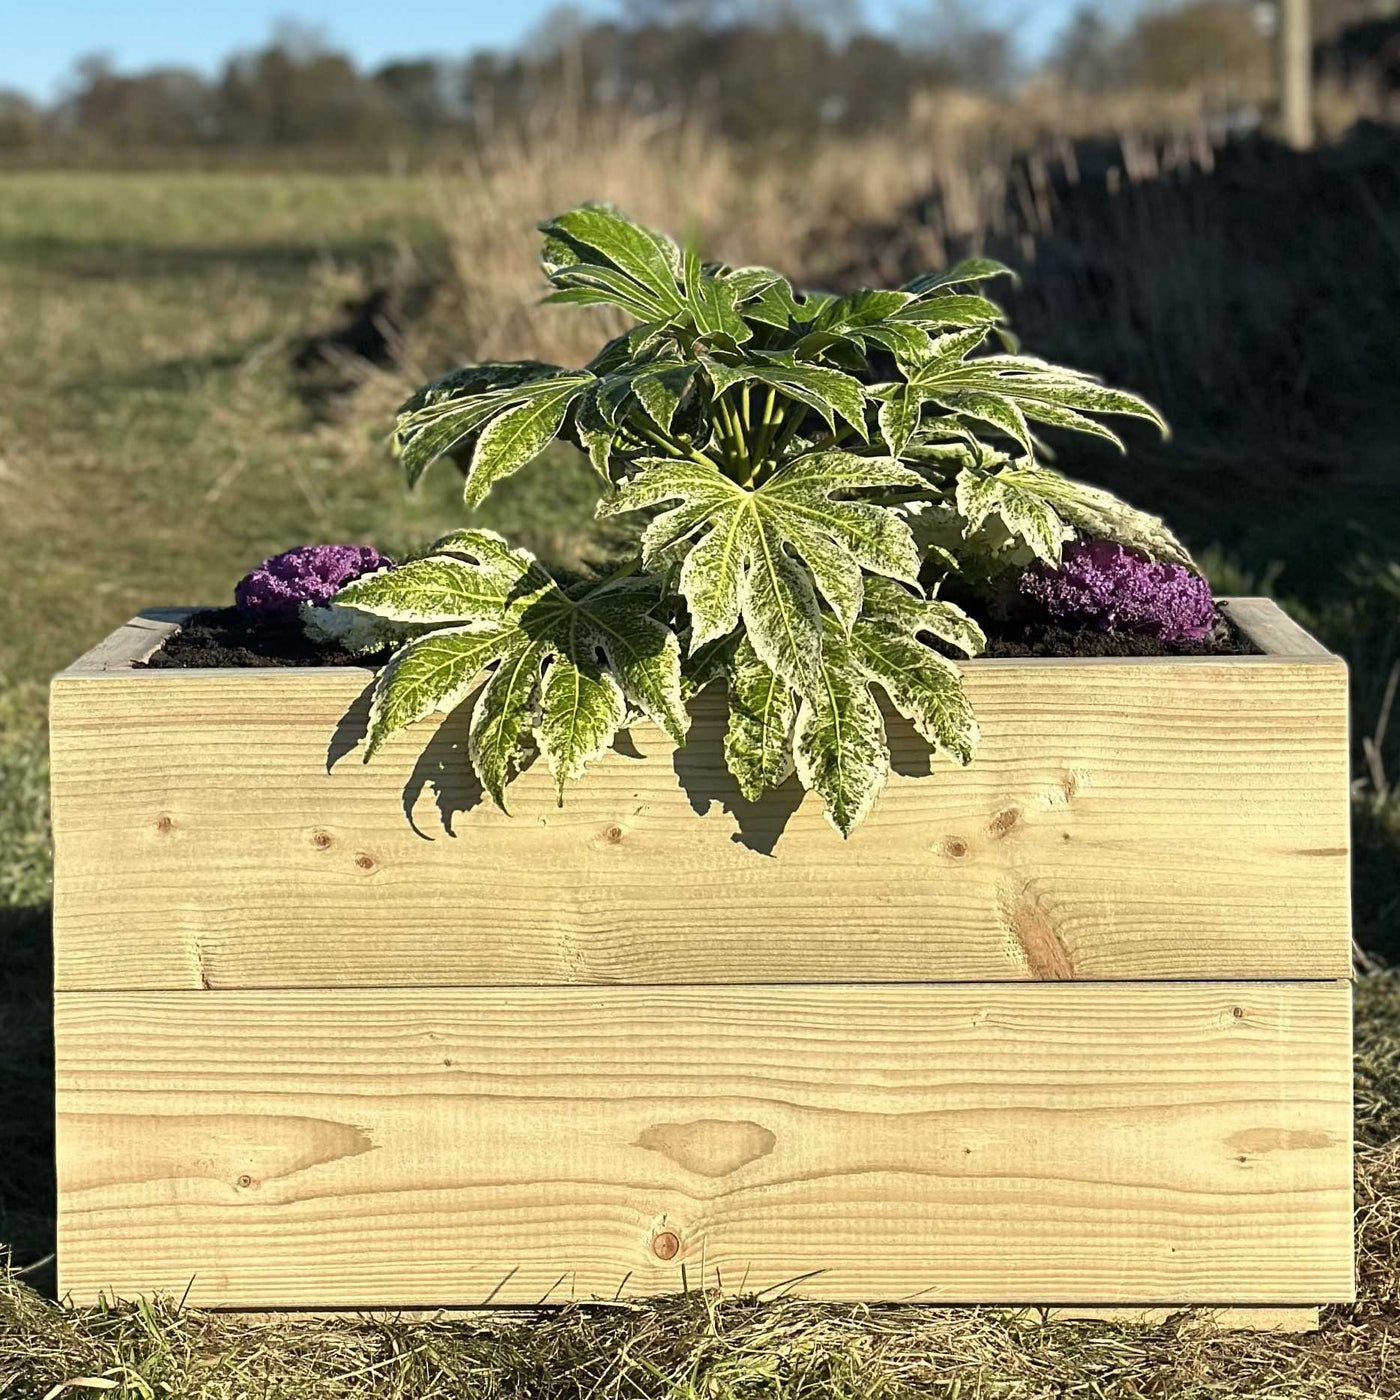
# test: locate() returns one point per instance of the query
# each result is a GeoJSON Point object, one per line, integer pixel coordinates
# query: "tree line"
{"type": "Point", "coordinates": [749, 69]}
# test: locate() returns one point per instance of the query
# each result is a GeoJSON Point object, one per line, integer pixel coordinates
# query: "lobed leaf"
{"type": "Point", "coordinates": [839, 745]}
{"type": "Point", "coordinates": [519, 435]}
{"type": "Point", "coordinates": [433, 672]}
{"type": "Point", "coordinates": [1092, 511]}
{"type": "Point", "coordinates": [447, 414]}
{"type": "Point", "coordinates": [969, 270]}
{"type": "Point", "coordinates": [648, 258]}
{"type": "Point", "coordinates": [641, 651]}
{"type": "Point", "coordinates": [764, 554]}
{"type": "Point", "coordinates": [1023, 511]}
{"type": "Point", "coordinates": [923, 686]}
{"type": "Point", "coordinates": [504, 719]}
{"type": "Point", "coordinates": [713, 303]}
{"type": "Point", "coordinates": [887, 602]}
{"type": "Point", "coordinates": [580, 711]}
{"type": "Point", "coordinates": [758, 738]}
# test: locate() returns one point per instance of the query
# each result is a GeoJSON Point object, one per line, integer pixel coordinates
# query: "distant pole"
{"type": "Point", "coordinates": [1295, 72]}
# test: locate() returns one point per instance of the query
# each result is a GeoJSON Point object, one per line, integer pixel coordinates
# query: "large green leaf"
{"type": "Point", "coordinates": [839, 744]}
{"type": "Point", "coordinates": [518, 436]}
{"type": "Point", "coordinates": [1025, 512]}
{"type": "Point", "coordinates": [602, 237]}
{"type": "Point", "coordinates": [446, 415]}
{"type": "Point", "coordinates": [762, 709]}
{"type": "Point", "coordinates": [764, 553]}
{"type": "Point", "coordinates": [923, 686]}
{"type": "Point", "coordinates": [1097, 513]}
{"type": "Point", "coordinates": [506, 611]}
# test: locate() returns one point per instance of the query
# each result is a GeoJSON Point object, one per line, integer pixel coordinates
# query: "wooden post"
{"type": "Point", "coordinates": [1295, 72]}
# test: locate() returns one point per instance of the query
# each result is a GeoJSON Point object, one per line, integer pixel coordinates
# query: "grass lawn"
{"type": "Point", "coordinates": [156, 441]}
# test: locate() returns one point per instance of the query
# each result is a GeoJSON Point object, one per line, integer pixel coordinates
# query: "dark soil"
{"type": "Point", "coordinates": [1035, 639]}
{"type": "Point", "coordinates": [226, 637]}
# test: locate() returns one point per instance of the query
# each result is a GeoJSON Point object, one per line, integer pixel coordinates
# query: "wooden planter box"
{"type": "Point", "coordinates": [1070, 1027]}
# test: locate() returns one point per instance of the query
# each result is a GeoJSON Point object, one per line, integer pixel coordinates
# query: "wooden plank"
{"type": "Point", "coordinates": [133, 641]}
{"type": "Point", "coordinates": [1154, 819]}
{"type": "Point", "coordinates": [1269, 627]}
{"type": "Point", "coordinates": [1126, 1144]}
{"type": "Point", "coordinates": [1222, 1319]}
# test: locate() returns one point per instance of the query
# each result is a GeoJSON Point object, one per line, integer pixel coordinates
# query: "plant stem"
{"type": "Point", "coordinates": [794, 416]}
{"type": "Point", "coordinates": [772, 418]}
{"type": "Point", "coordinates": [673, 449]}
{"type": "Point", "coordinates": [739, 416]}
{"type": "Point", "coordinates": [670, 448]}
{"type": "Point", "coordinates": [736, 452]}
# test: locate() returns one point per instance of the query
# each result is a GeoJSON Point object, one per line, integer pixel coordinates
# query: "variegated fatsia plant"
{"type": "Point", "coordinates": [804, 470]}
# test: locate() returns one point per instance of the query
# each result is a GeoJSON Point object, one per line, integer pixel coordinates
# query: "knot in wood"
{"type": "Point", "coordinates": [666, 1245]}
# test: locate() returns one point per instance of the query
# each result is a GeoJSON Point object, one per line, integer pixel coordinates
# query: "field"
{"type": "Point", "coordinates": [165, 423]}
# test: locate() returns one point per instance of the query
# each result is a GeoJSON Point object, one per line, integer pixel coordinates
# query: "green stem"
{"type": "Point", "coordinates": [737, 451]}
{"type": "Point", "coordinates": [672, 448]}
{"type": "Point", "coordinates": [785, 437]}
{"type": "Point", "coordinates": [739, 416]}
{"type": "Point", "coordinates": [772, 418]}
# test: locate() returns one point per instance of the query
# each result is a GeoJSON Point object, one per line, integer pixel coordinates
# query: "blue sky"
{"type": "Point", "coordinates": [38, 43]}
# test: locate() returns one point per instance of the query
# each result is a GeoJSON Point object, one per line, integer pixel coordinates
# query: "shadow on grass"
{"type": "Point", "coordinates": [27, 1191]}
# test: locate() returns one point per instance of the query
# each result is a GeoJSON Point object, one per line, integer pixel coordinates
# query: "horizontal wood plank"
{"type": "Point", "coordinates": [1125, 1144]}
{"type": "Point", "coordinates": [1123, 819]}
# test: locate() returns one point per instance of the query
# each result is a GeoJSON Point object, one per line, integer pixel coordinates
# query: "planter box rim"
{"type": "Point", "coordinates": [1266, 624]}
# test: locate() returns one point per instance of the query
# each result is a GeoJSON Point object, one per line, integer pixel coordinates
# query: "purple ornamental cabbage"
{"type": "Point", "coordinates": [1107, 588]}
{"type": "Point", "coordinates": [310, 573]}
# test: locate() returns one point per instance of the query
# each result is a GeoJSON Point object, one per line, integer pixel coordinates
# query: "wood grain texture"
{"type": "Point", "coordinates": [1123, 819]}
{"type": "Point", "coordinates": [1254, 1319]}
{"type": "Point", "coordinates": [1273, 631]}
{"type": "Point", "coordinates": [1164, 1144]}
